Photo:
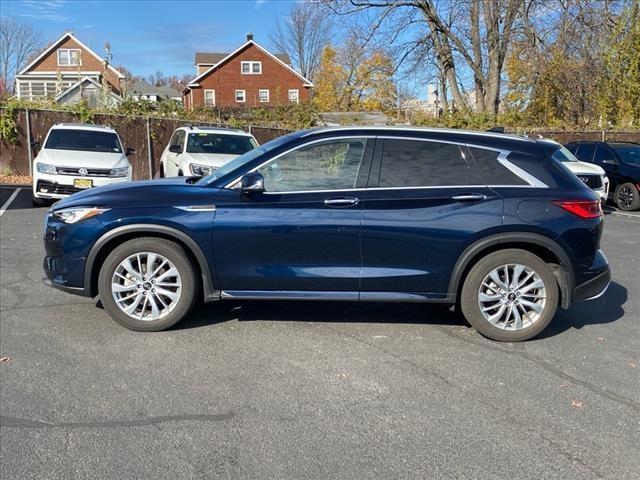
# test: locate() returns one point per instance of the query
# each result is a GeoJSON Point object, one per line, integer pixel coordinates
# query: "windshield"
{"type": "Point", "coordinates": [85, 140]}
{"type": "Point", "coordinates": [564, 155]}
{"type": "Point", "coordinates": [219, 143]}
{"type": "Point", "coordinates": [629, 155]}
{"type": "Point", "coordinates": [238, 162]}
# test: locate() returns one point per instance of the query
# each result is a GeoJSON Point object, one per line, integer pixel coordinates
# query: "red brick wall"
{"type": "Point", "coordinates": [226, 79]}
{"type": "Point", "coordinates": [49, 63]}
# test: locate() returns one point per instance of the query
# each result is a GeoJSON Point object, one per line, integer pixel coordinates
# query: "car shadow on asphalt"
{"type": "Point", "coordinates": [316, 311]}
{"type": "Point", "coordinates": [603, 310]}
{"type": "Point", "coordinates": [606, 309]}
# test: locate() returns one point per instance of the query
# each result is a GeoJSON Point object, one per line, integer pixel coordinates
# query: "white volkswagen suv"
{"type": "Point", "coordinates": [75, 157]}
{"type": "Point", "coordinates": [198, 151]}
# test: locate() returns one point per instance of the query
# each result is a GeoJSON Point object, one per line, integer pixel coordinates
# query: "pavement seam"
{"type": "Point", "coordinates": [620, 399]}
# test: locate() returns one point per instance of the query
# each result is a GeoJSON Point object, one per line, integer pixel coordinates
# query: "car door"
{"type": "Point", "coordinates": [422, 208]}
{"type": "Point", "coordinates": [606, 159]}
{"type": "Point", "coordinates": [171, 159]}
{"type": "Point", "coordinates": [302, 233]}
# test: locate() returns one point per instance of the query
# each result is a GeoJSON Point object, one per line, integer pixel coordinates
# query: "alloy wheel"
{"type": "Point", "coordinates": [146, 286]}
{"type": "Point", "coordinates": [512, 297]}
{"type": "Point", "coordinates": [625, 197]}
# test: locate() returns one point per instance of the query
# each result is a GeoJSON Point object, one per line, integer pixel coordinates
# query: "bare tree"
{"type": "Point", "coordinates": [18, 42]}
{"type": "Point", "coordinates": [303, 34]}
{"type": "Point", "coordinates": [468, 37]}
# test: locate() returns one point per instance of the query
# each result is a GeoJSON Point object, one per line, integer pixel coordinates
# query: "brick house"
{"type": "Point", "coordinates": [249, 76]}
{"type": "Point", "coordinates": [68, 69]}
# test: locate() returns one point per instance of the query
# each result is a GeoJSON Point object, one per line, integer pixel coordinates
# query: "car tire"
{"type": "Point", "coordinates": [493, 308]}
{"type": "Point", "coordinates": [180, 174]}
{"type": "Point", "coordinates": [40, 202]}
{"type": "Point", "coordinates": [165, 305]}
{"type": "Point", "coordinates": [627, 197]}
{"type": "Point", "coordinates": [161, 170]}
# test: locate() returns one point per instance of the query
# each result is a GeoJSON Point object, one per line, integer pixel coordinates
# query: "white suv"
{"type": "Point", "coordinates": [199, 151]}
{"type": "Point", "coordinates": [75, 157]}
{"type": "Point", "coordinates": [591, 175]}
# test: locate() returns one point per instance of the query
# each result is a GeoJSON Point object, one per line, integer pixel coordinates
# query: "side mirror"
{"type": "Point", "coordinates": [130, 151]}
{"type": "Point", "coordinates": [252, 183]}
{"type": "Point", "coordinates": [175, 149]}
{"type": "Point", "coordinates": [35, 145]}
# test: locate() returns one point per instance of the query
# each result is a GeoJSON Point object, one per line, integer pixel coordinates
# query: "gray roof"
{"type": "Point", "coordinates": [211, 58]}
{"type": "Point", "coordinates": [145, 88]}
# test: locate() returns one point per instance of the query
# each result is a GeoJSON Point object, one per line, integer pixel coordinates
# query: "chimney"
{"type": "Point", "coordinates": [249, 36]}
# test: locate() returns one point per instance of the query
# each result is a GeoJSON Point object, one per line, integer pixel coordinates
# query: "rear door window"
{"type": "Point", "coordinates": [417, 163]}
{"type": "Point", "coordinates": [585, 153]}
{"type": "Point", "coordinates": [602, 154]}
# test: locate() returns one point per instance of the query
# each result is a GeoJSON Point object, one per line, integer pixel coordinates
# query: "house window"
{"type": "Point", "coordinates": [210, 98]}
{"type": "Point", "coordinates": [294, 96]}
{"type": "Point", "coordinates": [68, 57]}
{"type": "Point", "coordinates": [263, 95]}
{"type": "Point", "coordinates": [240, 94]}
{"type": "Point", "coordinates": [251, 68]}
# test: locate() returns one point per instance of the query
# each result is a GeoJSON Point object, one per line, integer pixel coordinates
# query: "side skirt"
{"type": "Point", "coordinates": [337, 296]}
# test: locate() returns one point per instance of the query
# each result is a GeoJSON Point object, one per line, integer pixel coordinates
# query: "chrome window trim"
{"type": "Point", "coordinates": [532, 181]}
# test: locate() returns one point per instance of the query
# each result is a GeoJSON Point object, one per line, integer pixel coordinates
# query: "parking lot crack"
{"type": "Point", "coordinates": [617, 398]}
{"type": "Point", "coordinates": [21, 423]}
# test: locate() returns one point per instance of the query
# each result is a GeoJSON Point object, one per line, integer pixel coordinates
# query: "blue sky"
{"type": "Point", "coordinates": [151, 35]}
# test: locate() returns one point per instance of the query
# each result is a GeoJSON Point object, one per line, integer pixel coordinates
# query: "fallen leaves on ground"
{"type": "Point", "coordinates": [5, 359]}
{"type": "Point", "coordinates": [577, 403]}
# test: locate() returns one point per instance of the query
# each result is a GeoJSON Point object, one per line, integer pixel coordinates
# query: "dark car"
{"type": "Point", "coordinates": [621, 162]}
{"type": "Point", "coordinates": [493, 224]}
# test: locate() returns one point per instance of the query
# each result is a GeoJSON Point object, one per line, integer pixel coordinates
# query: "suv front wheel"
{"type": "Point", "coordinates": [148, 284]}
{"type": "Point", "coordinates": [510, 295]}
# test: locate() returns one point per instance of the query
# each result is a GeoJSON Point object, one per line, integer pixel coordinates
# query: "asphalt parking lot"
{"type": "Point", "coordinates": [313, 390]}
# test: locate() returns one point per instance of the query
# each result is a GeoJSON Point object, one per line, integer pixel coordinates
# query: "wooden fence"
{"type": "Point", "coordinates": [148, 136]}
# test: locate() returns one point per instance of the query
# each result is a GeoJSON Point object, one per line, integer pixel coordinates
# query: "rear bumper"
{"type": "Point", "coordinates": [593, 288]}
{"type": "Point", "coordinates": [73, 290]}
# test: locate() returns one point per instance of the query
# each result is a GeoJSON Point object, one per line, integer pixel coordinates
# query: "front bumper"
{"type": "Point", "coordinates": [60, 186]}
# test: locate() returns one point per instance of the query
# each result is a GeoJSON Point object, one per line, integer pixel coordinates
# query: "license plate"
{"type": "Point", "coordinates": [83, 183]}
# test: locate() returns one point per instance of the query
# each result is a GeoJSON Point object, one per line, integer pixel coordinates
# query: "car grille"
{"type": "Point", "coordinates": [91, 172]}
{"type": "Point", "coordinates": [57, 188]}
{"type": "Point", "coordinates": [591, 181]}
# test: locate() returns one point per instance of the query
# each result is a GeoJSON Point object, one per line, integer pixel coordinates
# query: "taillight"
{"type": "Point", "coordinates": [581, 208]}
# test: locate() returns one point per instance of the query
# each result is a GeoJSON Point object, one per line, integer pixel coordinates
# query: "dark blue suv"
{"type": "Point", "coordinates": [490, 223]}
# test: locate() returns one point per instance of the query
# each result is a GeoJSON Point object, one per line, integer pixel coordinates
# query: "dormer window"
{"type": "Point", "coordinates": [68, 57]}
{"type": "Point", "coordinates": [251, 68]}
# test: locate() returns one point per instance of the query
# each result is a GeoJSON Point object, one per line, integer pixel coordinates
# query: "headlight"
{"type": "Point", "coordinates": [46, 168]}
{"type": "Point", "coordinates": [119, 172]}
{"type": "Point", "coordinates": [200, 170]}
{"type": "Point", "coordinates": [75, 214]}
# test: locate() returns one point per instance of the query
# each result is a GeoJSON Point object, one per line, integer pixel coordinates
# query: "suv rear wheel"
{"type": "Point", "coordinates": [510, 295]}
{"type": "Point", "coordinates": [148, 284]}
{"type": "Point", "coordinates": [627, 197]}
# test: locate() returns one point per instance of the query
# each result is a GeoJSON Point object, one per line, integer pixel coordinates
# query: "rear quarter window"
{"type": "Point", "coordinates": [491, 171]}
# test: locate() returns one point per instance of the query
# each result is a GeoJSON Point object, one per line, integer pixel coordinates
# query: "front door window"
{"type": "Point", "coordinates": [330, 165]}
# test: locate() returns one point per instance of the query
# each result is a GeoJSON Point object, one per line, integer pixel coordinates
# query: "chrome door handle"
{"type": "Point", "coordinates": [469, 197]}
{"type": "Point", "coordinates": [341, 202]}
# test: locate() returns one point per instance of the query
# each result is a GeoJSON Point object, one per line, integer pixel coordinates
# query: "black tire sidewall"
{"type": "Point", "coordinates": [471, 286]}
{"type": "Point", "coordinates": [170, 250]}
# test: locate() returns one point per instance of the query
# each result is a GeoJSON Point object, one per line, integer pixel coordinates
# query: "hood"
{"type": "Point", "coordinates": [210, 159]}
{"type": "Point", "coordinates": [77, 158]}
{"type": "Point", "coordinates": [146, 193]}
{"type": "Point", "coordinates": [584, 168]}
